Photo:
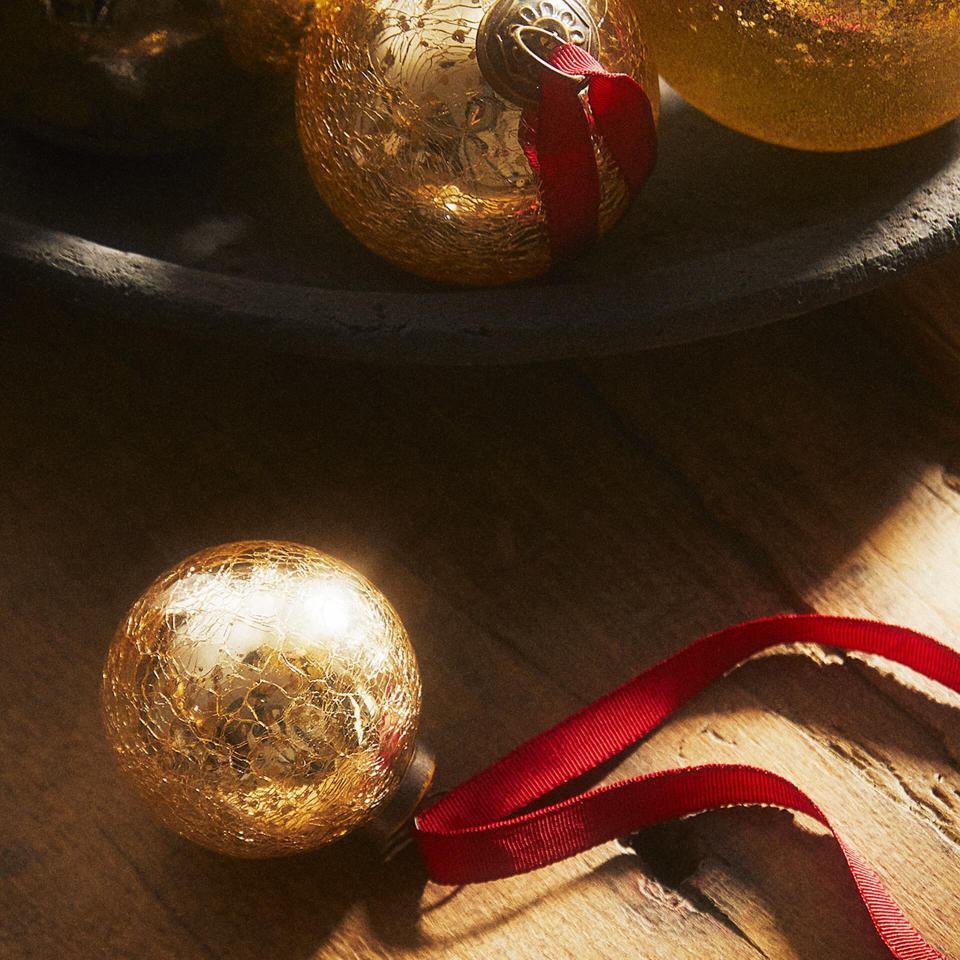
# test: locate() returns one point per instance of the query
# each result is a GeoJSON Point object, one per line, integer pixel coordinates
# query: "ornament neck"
{"type": "Point", "coordinates": [385, 829]}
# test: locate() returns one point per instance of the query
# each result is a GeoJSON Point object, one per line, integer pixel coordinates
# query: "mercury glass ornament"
{"type": "Point", "coordinates": [814, 74]}
{"type": "Point", "coordinates": [263, 697]}
{"type": "Point", "coordinates": [131, 76]}
{"type": "Point", "coordinates": [417, 150]}
{"type": "Point", "coordinates": [265, 35]}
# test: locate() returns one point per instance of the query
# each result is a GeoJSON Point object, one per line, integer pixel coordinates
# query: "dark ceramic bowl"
{"type": "Point", "coordinates": [730, 233]}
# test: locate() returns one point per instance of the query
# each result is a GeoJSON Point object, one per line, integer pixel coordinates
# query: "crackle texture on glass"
{"type": "Point", "coordinates": [265, 34]}
{"type": "Point", "coordinates": [263, 697]}
{"type": "Point", "coordinates": [418, 155]}
{"type": "Point", "coordinates": [814, 74]}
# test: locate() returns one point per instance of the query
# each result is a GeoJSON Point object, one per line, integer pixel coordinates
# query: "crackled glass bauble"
{"type": "Point", "coordinates": [266, 34]}
{"type": "Point", "coordinates": [130, 76]}
{"type": "Point", "coordinates": [263, 697]}
{"type": "Point", "coordinates": [419, 154]}
{"type": "Point", "coordinates": [814, 74]}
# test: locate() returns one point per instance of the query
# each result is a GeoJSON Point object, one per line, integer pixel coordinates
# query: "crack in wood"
{"type": "Point", "coordinates": [949, 487]}
{"type": "Point", "coordinates": [869, 765]}
{"type": "Point", "coordinates": [672, 862]}
{"type": "Point", "coordinates": [707, 905]}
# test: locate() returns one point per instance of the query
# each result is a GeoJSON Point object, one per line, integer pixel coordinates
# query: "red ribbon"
{"type": "Point", "coordinates": [558, 143]}
{"type": "Point", "coordinates": [475, 832]}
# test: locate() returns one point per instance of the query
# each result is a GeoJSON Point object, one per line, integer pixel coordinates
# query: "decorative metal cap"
{"type": "Point", "coordinates": [384, 830]}
{"type": "Point", "coordinates": [516, 36]}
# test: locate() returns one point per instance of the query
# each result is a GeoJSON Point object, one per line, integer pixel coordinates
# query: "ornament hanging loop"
{"type": "Point", "coordinates": [549, 37]}
{"type": "Point", "coordinates": [509, 59]}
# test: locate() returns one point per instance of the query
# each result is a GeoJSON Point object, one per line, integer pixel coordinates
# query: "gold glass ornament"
{"type": "Point", "coordinates": [264, 35]}
{"type": "Point", "coordinates": [263, 697]}
{"type": "Point", "coordinates": [129, 76]}
{"type": "Point", "coordinates": [814, 74]}
{"type": "Point", "coordinates": [418, 153]}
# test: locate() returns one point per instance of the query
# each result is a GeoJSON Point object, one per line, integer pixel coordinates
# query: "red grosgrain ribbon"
{"type": "Point", "coordinates": [557, 141]}
{"type": "Point", "coordinates": [476, 832]}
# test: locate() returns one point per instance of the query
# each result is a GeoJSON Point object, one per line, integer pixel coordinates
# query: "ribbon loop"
{"type": "Point", "coordinates": [558, 143]}
{"type": "Point", "coordinates": [476, 832]}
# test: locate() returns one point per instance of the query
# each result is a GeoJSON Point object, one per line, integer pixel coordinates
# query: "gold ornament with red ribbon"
{"type": "Point", "coordinates": [477, 142]}
{"type": "Point", "coordinates": [264, 699]}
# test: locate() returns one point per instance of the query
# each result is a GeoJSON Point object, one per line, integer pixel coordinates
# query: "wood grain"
{"type": "Point", "coordinates": [545, 532]}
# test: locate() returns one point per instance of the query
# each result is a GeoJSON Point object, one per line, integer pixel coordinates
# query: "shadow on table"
{"type": "Point", "coordinates": [851, 730]}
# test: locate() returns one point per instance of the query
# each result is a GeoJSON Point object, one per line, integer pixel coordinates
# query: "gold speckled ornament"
{"type": "Point", "coordinates": [415, 151]}
{"type": "Point", "coordinates": [263, 697]}
{"type": "Point", "coordinates": [814, 74]}
{"type": "Point", "coordinates": [264, 35]}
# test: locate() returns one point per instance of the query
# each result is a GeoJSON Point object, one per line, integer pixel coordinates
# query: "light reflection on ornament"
{"type": "Point", "coordinates": [330, 605]}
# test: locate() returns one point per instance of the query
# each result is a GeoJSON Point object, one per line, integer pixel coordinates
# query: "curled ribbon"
{"type": "Point", "coordinates": [476, 832]}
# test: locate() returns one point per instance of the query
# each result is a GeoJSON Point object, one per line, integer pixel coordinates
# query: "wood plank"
{"type": "Point", "coordinates": [545, 532]}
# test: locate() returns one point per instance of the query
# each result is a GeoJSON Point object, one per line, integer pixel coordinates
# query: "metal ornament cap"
{"type": "Point", "coordinates": [504, 52]}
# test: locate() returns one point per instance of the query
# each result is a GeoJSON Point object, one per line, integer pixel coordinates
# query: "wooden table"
{"type": "Point", "coordinates": [545, 533]}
